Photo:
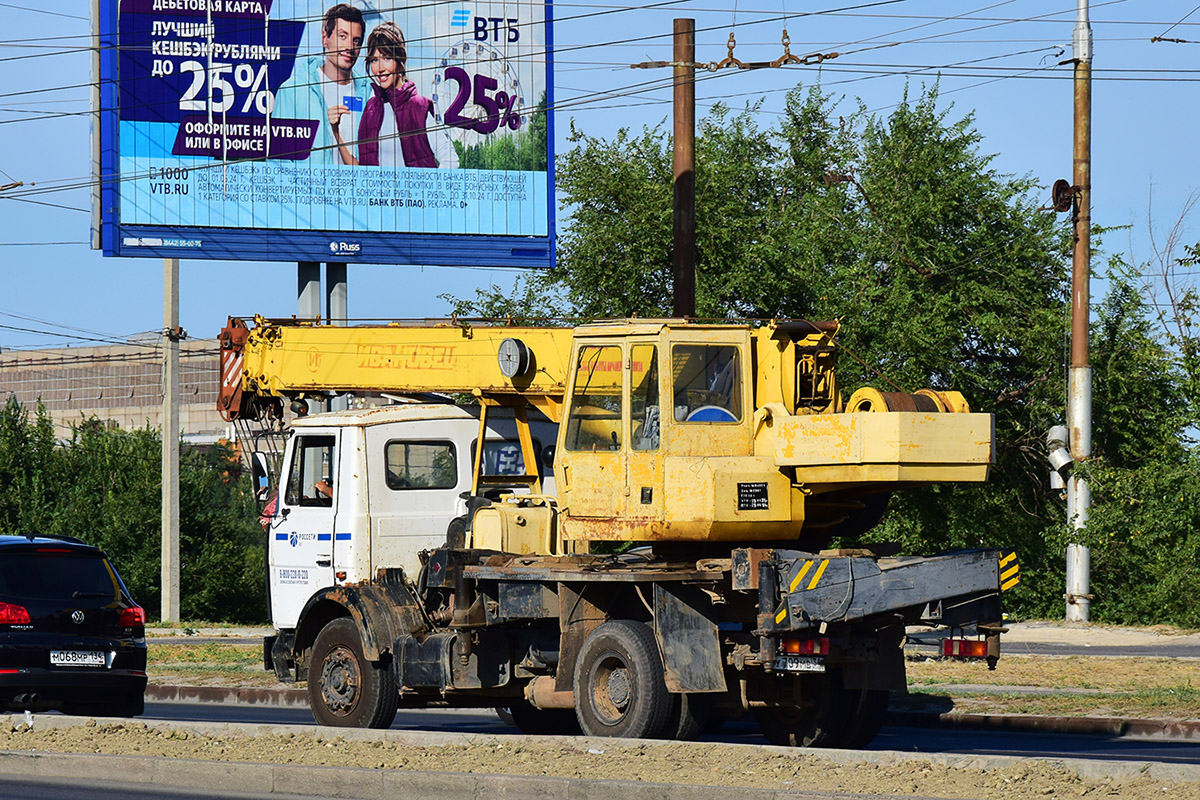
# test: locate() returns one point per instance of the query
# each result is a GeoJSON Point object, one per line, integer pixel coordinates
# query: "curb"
{"type": "Point", "coordinates": [1188, 730]}
{"type": "Point", "coordinates": [368, 784]}
{"type": "Point", "coordinates": [1184, 730]}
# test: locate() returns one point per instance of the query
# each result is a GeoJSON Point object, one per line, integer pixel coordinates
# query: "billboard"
{"type": "Point", "coordinates": [306, 130]}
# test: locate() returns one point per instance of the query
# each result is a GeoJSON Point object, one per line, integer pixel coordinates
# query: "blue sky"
{"type": "Point", "coordinates": [999, 60]}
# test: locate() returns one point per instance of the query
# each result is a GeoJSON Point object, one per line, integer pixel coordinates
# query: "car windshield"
{"type": "Point", "coordinates": [56, 573]}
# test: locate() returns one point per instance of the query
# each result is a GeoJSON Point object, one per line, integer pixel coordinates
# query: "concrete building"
{"type": "Point", "coordinates": [121, 383]}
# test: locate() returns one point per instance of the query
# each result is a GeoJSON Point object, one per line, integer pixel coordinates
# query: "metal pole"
{"type": "Point", "coordinates": [308, 295]}
{"type": "Point", "coordinates": [170, 442]}
{"type": "Point", "coordinates": [336, 311]}
{"type": "Point", "coordinates": [1079, 379]}
{"type": "Point", "coordinates": [94, 126]}
{"type": "Point", "coordinates": [685, 167]}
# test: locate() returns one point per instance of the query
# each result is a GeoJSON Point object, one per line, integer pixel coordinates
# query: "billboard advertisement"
{"type": "Point", "coordinates": [310, 130]}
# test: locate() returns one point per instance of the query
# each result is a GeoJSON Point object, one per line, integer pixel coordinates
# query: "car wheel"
{"type": "Point", "coordinates": [619, 687]}
{"type": "Point", "coordinates": [346, 690]}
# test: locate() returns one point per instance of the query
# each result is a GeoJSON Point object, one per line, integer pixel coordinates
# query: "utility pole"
{"type": "Point", "coordinates": [1079, 379]}
{"type": "Point", "coordinates": [685, 167]}
{"type": "Point", "coordinates": [337, 312]}
{"type": "Point", "coordinates": [170, 442]}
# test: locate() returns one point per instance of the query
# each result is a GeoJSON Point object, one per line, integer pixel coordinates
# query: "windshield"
{"type": "Point", "coordinates": [56, 574]}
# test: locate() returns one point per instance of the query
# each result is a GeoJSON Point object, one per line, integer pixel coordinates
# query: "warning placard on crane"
{"type": "Point", "coordinates": [300, 130]}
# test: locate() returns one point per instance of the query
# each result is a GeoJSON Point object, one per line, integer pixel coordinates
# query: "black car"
{"type": "Point", "coordinates": [71, 637]}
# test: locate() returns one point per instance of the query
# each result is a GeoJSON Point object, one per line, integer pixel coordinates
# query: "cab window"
{"type": "Point", "coordinates": [310, 477]}
{"type": "Point", "coordinates": [594, 421]}
{"type": "Point", "coordinates": [420, 465]}
{"type": "Point", "coordinates": [643, 397]}
{"type": "Point", "coordinates": [707, 383]}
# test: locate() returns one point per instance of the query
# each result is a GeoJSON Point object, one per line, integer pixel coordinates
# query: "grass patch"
{"type": "Point", "coordinates": [208, 664]}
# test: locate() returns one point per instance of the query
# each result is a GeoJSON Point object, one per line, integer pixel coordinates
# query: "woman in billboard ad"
{"type": "Point", "coordinates": [392, 130]}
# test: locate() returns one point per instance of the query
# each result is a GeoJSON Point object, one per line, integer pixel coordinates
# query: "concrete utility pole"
{"type": "Point", "coordinates": [1079, 379]}
{"type": "Point", "coordinates": [170, 442]}
{"type": "Point", "coordinates": [685, 167]}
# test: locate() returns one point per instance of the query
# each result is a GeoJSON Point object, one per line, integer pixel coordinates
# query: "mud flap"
{"type": "Point", "coordinates": [686, 630]}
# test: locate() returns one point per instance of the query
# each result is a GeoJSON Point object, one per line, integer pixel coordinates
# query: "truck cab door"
{"type": "Point", "coordinates": [644, 456]}
{"type": "Point", "coordinates": [592, 442]}
{"type": "Point", "coordinates": [301, 539]}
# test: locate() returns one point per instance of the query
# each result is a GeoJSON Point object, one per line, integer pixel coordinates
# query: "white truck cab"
{"type": "Point", "coordinates": [370, 489]}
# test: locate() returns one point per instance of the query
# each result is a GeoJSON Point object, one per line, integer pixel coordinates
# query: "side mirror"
{"type": "Point", "coordinates": [260, 473]}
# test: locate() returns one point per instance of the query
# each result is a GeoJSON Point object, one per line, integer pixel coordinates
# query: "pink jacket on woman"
{"type": "Point", "coordinates": [411, 110]}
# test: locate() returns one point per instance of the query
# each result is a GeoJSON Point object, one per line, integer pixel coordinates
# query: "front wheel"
{"type": "Point", "coordinates": [619, 685]}
{"type": "Point", "coordinates": [346, 690]}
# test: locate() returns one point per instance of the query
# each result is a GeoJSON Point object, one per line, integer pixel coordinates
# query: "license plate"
{"type": "Point", "coordinates": [76, 658]}
{"type": "Point", "coordinates": [799, 664]}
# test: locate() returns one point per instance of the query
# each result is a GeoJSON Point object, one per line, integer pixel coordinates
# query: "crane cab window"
{"type": "Point", "coordinates": [707, 383]}
{"type": "Point", "coordinates": [421, 465]}
{"type": "Point", "coordinates": [643, 397]}
{"type": "Point", "coordinates": [594, 421]}
{"type": "Point", "coordinates": [310, 477]}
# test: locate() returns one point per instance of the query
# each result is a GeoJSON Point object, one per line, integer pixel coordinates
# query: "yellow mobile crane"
{"type": "Point", "coordinates": [722, 455]}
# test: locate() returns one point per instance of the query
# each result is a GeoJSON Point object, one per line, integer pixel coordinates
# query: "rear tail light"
{"type": "Point", "coordinates": [133, 617]}
{"type": "Point", "coordinates": [964, 648]}
{"type": "Point", "coordinates": [806, 647]}
{"type": "Point", "coordinates": [13, 615]}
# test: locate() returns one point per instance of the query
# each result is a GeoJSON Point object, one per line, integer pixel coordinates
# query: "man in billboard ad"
{"type": "Point", "coordinates": [326, 81]}
{"type": "Point", "coordinates": [351, 118]}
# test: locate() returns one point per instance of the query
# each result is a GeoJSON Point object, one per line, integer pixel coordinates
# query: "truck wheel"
{"type": "Point", "coordinates": [815, 718]}
{"type": "Point", "coordinates": [344, 688]}
{"type": "Point", "coordinates": [543, 722]}
{"type": "Point", "coordinates": [866, 717]}
{"type": "Point", "coordinates": [619, 688]}
{"type": "Point", "coordinates": [688, 717]}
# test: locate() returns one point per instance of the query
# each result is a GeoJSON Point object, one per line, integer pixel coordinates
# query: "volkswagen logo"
{"type": "Point", "coordinates": [77, 617]}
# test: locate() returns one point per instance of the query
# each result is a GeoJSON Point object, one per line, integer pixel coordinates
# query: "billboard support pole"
{"type": "Point", "coordinates": [170, 442]}
{"type": "Point", "coordinates": [336, 311]}
{"type": "Point", "coordinates": [308, 296]}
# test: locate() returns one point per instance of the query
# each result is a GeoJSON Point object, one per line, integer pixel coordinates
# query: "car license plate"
{"type": "Point", "coordinates": [77, 658]}
{"type": "Point", "coordinates": [799, 664]}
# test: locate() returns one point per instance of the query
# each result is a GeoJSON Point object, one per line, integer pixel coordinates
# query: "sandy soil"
{"type": "Point", "coordinates": [684, 763]}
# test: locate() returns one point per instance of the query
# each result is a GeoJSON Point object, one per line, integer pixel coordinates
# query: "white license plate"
{"type": "Point", "coordinates": [799, 664]}
{"type": "Point", "coordinates": [76, 658]}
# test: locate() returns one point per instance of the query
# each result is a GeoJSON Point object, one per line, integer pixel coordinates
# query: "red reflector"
{"type": "Point", "coordinates": [964, 648]}
{"type": "Point", "coordinates": [133, 617]}
{"type": "Point", "coordinates": [9, 671]}
{"type": "Point", "coordinates": [52, 550]}
{"type": "Point", "coordinates": [806, 647]}
{"type": "Point", "coordinates": [13, 615]}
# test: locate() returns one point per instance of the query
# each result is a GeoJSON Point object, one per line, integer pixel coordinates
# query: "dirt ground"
{"type": "Point", "coordinates": [684, 763]}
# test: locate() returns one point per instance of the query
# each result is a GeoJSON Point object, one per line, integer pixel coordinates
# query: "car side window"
{"type": "Point", "coordinates": [420, 465]}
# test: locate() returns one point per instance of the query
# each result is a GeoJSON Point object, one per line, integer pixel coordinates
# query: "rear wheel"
{"type": "Point", "coordinates": [345, 689]}
{"type": "Point", "coordinates": [619, 685]}
{"type": "Point", "coordinates": [866, 714]}
{"type": "Point", "coordinates": [811, 718]}
{"type": "Point", "coordinates": [688, 718]}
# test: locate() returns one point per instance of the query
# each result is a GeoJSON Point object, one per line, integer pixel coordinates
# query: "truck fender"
{"type": "Point", "coordinates": [382, 612]}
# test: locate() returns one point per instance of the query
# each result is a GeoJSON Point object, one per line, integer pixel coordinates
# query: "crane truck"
{"type": "Point", "coordinates": [633, 527]}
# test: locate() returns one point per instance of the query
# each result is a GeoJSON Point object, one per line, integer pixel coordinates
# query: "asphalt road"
{"type": "Point", "coordinates": [82, 789]}
{"type": "Point", "coordinates": [905, 739]}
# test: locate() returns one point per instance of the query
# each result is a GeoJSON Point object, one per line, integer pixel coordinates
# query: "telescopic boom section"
{"type": "Point", "coordinates": [277, 359]}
